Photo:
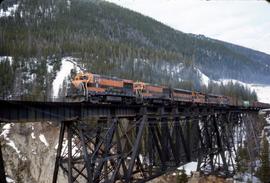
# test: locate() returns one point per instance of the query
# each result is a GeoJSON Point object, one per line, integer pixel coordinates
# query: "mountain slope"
{"type": "Point", "coordinates": [111, 40]}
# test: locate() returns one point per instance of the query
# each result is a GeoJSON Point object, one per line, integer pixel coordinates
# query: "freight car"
{"type": "Point", "coordinates": [182, 95]}
{"type": "Point", "coordinates": [96, 88]}
{"type": "Point", "coordinates": [218, 99]}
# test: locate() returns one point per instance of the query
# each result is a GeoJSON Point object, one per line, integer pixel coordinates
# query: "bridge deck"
{"type": "Point", "coordinates": [34, 111]}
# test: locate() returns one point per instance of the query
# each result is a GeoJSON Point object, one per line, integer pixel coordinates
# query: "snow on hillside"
{"type": "Point", "coordinates": [204, 79]}
{"type": "Point", "coordinates": [263, 91]}
{"type": "Point", "coordinates": [67, 63]}
{"type": "Point", "coordinates": [9, 12]}
{"type": "Point", "coordinates": [6, 58]}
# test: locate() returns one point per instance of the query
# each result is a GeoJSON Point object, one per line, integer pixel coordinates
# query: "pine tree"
{"type": "Point", "coordinates": [264, 171]}
{"type": "Point", "coordinates": [181, 176]}
{"type": "Point", "coordinates": [242, 159]}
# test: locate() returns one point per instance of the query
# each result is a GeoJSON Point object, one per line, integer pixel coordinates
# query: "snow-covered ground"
{"type": "Point", "coordinates": [9, 12]}
{"type": "Point", "coordinates": [243, 178]}
{"type": "Point", "coordinates": [9, 180]}
{"type": "Point", "coordinates": [204, 79]}
{"type": "Point", "coordinates": [189, 167]}
{"type": "Point", "coordinates": [67, 63]}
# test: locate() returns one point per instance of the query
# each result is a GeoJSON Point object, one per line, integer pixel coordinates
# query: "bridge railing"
{"type": "Point", "coordinates": [36, 98]}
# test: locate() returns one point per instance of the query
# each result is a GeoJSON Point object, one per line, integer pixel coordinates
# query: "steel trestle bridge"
{"type": "Point", "coordinates": [136, 143]}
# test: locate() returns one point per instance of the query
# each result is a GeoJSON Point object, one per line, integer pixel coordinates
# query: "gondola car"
{"type": "Point", "coordinates": [198, 97]}
{"type": "Point", "coordinates": [217, 99]}
{"type": "Point", "coordinates": [182, 95]}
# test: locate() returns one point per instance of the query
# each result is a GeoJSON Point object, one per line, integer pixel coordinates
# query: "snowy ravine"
{"type": "Point", "coordinates": [67, 64]}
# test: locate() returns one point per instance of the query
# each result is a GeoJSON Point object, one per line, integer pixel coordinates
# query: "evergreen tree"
{"type": "Point", "coordinates": [181, 176]}
{"type": "Point", "coordinates": [242, 160]}
{"type": "Point", "coordinates": [264, 171]}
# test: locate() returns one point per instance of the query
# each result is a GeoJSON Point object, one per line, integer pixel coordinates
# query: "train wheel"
{"type": "Point", "coordinates": [139, 100]}
{"type": "Point", "coordinates": [94, 100]}
{"type": "Point", "coordinates": [129, 101]}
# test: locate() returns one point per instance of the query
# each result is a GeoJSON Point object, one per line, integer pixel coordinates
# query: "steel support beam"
{"type": "Point", "coordinates": [133, 143]}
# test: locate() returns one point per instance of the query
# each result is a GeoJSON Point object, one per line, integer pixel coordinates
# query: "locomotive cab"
{"type": "Point", "coordinates": [77, 89]}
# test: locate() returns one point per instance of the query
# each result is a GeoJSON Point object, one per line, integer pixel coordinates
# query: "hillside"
{"type": "Point", "coordinates": [42, 40]}
{"type": "Point", "coordinates": [111, 40]}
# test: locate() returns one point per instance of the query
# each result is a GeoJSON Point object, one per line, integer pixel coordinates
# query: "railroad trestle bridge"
{"type": "Point", "coordinates": [136, 143]}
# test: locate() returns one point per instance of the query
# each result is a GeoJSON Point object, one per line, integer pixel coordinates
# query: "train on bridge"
{"type": "Point", "coordinates": [96, 88]}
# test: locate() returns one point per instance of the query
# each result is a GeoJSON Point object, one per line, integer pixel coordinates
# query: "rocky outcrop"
{"type": "Point", "coordinates": [29, 151]}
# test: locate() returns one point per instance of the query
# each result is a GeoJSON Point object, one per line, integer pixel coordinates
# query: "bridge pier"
{"type": "Point", "coordinates": [137, 149]}
{"type": "Point", "coordinates": [153, 142]}
{"type": "Point", "coordinates": [217, 144]}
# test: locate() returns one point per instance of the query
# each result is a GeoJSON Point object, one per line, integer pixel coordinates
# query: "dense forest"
{"type": "Point", "coordinates": [111, 40]}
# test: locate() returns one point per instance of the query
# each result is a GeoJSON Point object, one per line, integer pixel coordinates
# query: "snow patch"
{"type": "Point", "coordinates": [68, 4]}
{"type": "Point", "coordinates": [176, 71]}
{"type": "Point", "coordinates": [9, 12]}
{"type": "Point", "coordinates": [204, 79]}
{"type": "Point", "coordinates": [6, 58]}
{"type": "Point", "coordinates": [189, 167]}
{"type": "Point", "coordinates": [268, 120]}
{"type": "Point", "coordinates": [64, 145]}
{"type": "Point", "coordinates": [76, 151]}
{"type": "Point", "coordinates": [263, 92]}
{"type": "Point", "coordinates": [34, 152]}
{"type": "Point", "coordinates": [33, 135]}
{"type": "Point", "coordinates": [49, 68]}
{"type": "Point", "coordinates": [43, 140]}
{"type": "Point", "coordinates": [12, 144]}
{"type": "Point", "coordinates": [56, 146]}
{"type": "Point", "coordinates": [6, 129]}
{"type": "Point", "coordinates": [246, 177]}
{"type": "Point", "coordinates": [67, 63]}
{"type": "Point", "coordinates": [9, 180]}
{"type": "Point", "coordinates": [234, 81]}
